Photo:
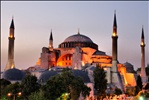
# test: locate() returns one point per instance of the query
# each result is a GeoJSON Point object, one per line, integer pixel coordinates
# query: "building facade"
{"type": "Point", "coordinates": [78, 50]}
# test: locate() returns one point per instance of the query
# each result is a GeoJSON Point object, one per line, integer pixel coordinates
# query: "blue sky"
{"type": "Point", "coordinates": [34, 20]}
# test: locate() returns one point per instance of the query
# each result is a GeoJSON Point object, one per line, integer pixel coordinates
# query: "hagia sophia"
{"type": "Point", "coordinates": [81, 54]}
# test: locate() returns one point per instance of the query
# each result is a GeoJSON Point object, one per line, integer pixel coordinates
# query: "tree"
{"type": "Point", "coordinates": [131, 91]}
{"type": "Point", "coordinates": [147, 70]}
{"type": "Point", "coordinates": [139, 82]}
{"type": "Point", "coordinates": [3, 84]}
{"type": "Point", "coordinates": [38, 95]}
{"type": "Point", "coordinates": [137, 89]}
{"type": "Point", "coordinates": [29, 84]}
{"type": "Point", "coordinates": [118, 91]}
{"type": "Point", "coordinates": [142, 95]}
{"type": "Point", "coordinates": [100, 82]}
{"type": "Point", "coordinates": [13, 90]}
{"type": "Point", "coordinates": [63, 83]}
{"type": "Point", "coordinates": [76, 87]}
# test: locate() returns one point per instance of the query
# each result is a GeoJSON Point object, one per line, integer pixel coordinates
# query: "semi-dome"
{"type": "Point", "coordinates": [82, 74]}
{"type": "Point", "coordinates": [45, 76]}
{"type": "Point", "coordinates": [129, 67]}
{"type": "Point", "coordinates": [13, 74]}
{"type": "Point", "coordinates": [78, 38]}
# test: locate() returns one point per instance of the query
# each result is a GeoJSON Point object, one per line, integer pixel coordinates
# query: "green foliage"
{"type": "Point", "coordinates": [64, 96]}
{"type": "Point", "coordinates": [14, 89]}
{"type": "Point", "coordinates": [137, 90]}
{"type": "Point", "coordinates": [118, 91]}
{"type": "Point", "coordinates": [3, 84]}
{"type": "Point", "coordinates": [100, 82]}
{"type": "Point", "coordinates": [147, 70]}
{"type": "Point", "coordinates": [38, 95]}
{"type": "Point", "coordinates": [131, 91]}
{"type": "Point", "coordinates": [139, 69]}
{"type": "Point", "coordinates": [65, 82]}
{"type": "Point", "coordinates": [139, 82]}
{"type": "Point", "coordinates": [144, 95]}
{"type": "Point", "coordinates": [29, 84]}
{"type": "Point", "coordinates": [85, 91]}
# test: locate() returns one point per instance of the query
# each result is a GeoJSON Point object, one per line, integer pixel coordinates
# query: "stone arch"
{"type": "Point", "coordinates": [65, 60]}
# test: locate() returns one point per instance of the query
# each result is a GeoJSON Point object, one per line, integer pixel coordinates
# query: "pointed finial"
{"type": "Point", "coordinates": [51, 37]}
{"type": "Point", "coordinates": [78, 31]}
{"type": "Point", "coordinates": [142, 33]}
{"type": "Point", "coordinates": [12, 23]}
{"type": "Point", "coordinates": [115, 11]}
{"type": "Point", "coordinates": [114, 23]}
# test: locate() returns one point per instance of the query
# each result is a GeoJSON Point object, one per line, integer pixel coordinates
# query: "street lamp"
{"type": "Point", "coordinates": [14, 95]}
{"type": "Point", "coordinates": [141, 98]}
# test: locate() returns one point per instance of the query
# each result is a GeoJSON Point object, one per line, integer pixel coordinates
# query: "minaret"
{"type": "Point", "coordinates": [51, 42]}
{"type": "Point", "coordinates": [143, 73]}
{"type": "Point", "coordinates": [78, 31]}
{"type": "Point", "coordinates": [11, 38]}
{"type": "Point", "coordinates": [114, 45]}
{"type": "Point", "coordinates": [115, 75]}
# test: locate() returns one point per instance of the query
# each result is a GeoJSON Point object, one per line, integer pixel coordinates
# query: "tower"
{"type": "Point", "coordinates": [143, 73]}
{"type": "Point", "coordinates": [115, 75]}
{"type": "Point", "coordinates": [11, 38]}
{"type": "Point", "coordinates": [51, 42]}
{"type": "Point", "coordinates": [114, 45]}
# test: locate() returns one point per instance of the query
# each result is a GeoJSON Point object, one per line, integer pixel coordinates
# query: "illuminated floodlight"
{"type": "Point", "coordinates": [19, 93]}
{"type": "Point", "coordinates": [141, 98]}
{"type": "Point", "coordinates": [9, 94]}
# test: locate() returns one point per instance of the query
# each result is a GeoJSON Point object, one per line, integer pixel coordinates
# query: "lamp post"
{"type": "Point", "coordinates": [14, 95]}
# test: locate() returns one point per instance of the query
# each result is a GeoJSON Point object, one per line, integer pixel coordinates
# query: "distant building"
{"type": "Point", "coordinates": [78, 50]}
{"type": "Point", "coordinates": [11, 73]}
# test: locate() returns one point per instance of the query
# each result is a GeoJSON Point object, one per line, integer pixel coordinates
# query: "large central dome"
{"type": "Point", "coordinates": [78, 38]}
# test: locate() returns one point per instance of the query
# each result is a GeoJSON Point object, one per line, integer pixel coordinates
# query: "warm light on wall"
{"type": "Point", "coordinates": [114, 34]}
{"type": "Point", "coordinates": [11, 36]}
{"type": "Point", "coordinates": [105, 69]}
{"type": "Point", "coordinates": [142, 43]}
{"type": "Point", "coordinates": [75, 67]}
{"type": "Point", "coordinates": [83, 63]}
{"type": "Point", "coordinates": [59, 64]}
{"type": "Point", "coordinates": [12, 66]}
{"type": "Point", "coordinates": [65, 60]}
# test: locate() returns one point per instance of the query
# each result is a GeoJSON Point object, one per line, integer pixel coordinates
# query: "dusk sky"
{"type": "Point", "coordinates": [34, 20]}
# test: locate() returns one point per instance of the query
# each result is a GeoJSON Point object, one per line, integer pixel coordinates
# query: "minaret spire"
{"type": "Point", "coordinates": [51, 37]}
{"type": "Point", "coordinates": [12, 23]}
{"type": "Point", "coordinates": [143, 72]}
{"type": "Point", "coordinates": [51, 41]}
{"type": "Point", "coordinates": [11, 38]}
{"type": "Point", "coordinates": [114, 23]}
{"type": "Point", "coordinates": [115, 78]}
{"type": "Point", "coordinates": [142, 33]}
{"type": "Point", "coordinates": [114, 39]}
{"type": "Point", "coordinates": [78, 31]}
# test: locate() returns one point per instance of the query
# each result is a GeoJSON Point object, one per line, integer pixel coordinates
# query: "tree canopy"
{"type": "Point", "coordinates": [3, 84]}
{"type": "Point", "coordinates": [139, 82]}
{"type": "Point", "coordinates": [29, 84]}
{"type": "Point", "coordinates": [65, 82]}
{"type": "Point", "coordinates": [100, 81]}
